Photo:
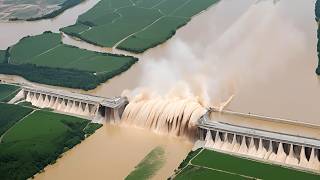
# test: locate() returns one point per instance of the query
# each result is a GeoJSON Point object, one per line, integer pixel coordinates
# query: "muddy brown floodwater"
{"type": "Point", "coordinates": [113, 152]}
{"type": "Point", "coordinates": [264, 50]}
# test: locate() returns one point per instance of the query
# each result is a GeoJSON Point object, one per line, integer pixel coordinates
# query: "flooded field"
{"type": "Point", "coordinates": [113, 152]}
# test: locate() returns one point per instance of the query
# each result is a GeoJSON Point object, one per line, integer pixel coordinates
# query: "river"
{"type": "Point", "coordinates": [266, 57]}
{"type": "Point", "coordinates": [12, 31]}
{"type": "Point", "coordinates": [263, 52]}
{"type": "Point", "coordinates": [113, 152]}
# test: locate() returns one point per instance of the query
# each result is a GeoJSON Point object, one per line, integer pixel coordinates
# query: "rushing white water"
{"type": "Point", "coordinates": [171, 114]}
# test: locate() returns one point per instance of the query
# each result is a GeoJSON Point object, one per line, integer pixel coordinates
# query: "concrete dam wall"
{"type": "Point", "coordinates": [96, 108]}
{"type": "Point", "coordinates": [275, 147]}
{"type": "Point", "coordinates": [160, 116]}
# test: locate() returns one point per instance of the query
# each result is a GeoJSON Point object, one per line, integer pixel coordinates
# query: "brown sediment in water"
{"type": "Point", "coordinates": [11, 32]}
{"type": "Point", "coordinates": [113, 152]}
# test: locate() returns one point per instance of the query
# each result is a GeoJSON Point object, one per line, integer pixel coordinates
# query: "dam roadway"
{"type": "Point", "coordinates": [95, 108]}
{"type": "Point", "coordinates": [274, 140]}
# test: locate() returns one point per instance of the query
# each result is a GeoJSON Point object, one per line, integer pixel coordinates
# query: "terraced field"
{"type": "Point", "coordinates": [36, 140]}
{"type": "Point", "coordinates": [45, 59]}
{"type": "Point", "coordinates": [34, 10]}
{"type": "Point", "coordinates": [135, 25]}
{"type": "Point", "coordinates": [207, 164]}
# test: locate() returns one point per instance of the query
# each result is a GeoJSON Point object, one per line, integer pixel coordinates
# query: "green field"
{"type": "Point", "coordinates": [44, 59]}
{"type": "Point", "coordinates": [149, 165]}
{"type": "Point", "coordinates": [136, 25]}
{"type": "Point", "coordinates": [37, 140]}
{"type": "Point", "coordinates": [2, 56]}
{"type": "Point", "coordinates": [7, 92]}
{"type": "Point", "coordinates": [34, 10]}
{"type": "Point", "coordinates": [209, 164]}
{"type": "Point", "coordinates": [10, 114]}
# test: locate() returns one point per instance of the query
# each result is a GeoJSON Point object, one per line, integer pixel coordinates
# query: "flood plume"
{"type": "Point", "coordinates": [240, 51]}
{"type": "Point", "coordinates": [171, 114]}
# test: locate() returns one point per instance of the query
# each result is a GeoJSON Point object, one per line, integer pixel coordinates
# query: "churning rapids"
{"type": "Point", "coordinates": [171, 115]}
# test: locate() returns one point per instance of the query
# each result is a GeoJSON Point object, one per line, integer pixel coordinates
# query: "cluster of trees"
{"type": "Point", "coordinates": [30, 157]}
{"type": "Point", "coordinates": [71, 78]}
{"type": "Point", "coordinates": [52, 76]}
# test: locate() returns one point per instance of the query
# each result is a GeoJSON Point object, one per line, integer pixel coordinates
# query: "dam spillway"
{"type": "Point", "coordinates": [181, 118]}
{"type": "Point", "coordinates": [275, 147]}
{"type": "Point", "coordinates": [96, 108]}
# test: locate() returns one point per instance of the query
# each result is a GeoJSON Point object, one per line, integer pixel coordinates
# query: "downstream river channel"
{"type": "Point", "coordinates": [263, 53]}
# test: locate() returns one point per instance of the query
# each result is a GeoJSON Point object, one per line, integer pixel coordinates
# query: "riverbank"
{"type": "Point", "coordinates": [117, 150]}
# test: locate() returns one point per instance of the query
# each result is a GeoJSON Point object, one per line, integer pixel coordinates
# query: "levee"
{"type": "Point", "coordinates": [95, 108]}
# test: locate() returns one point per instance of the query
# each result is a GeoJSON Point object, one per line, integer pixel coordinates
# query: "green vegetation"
{"type": "Point", "coordinates": [191, 155]}
{"type": "Point", "coordinates": [215, 165]}
{"type": "Point", "coordinates": [34, 10]}
{"type": "Point", "coordinates": [10, 114]}
{"type": "Point", "coordinates": [196, 173]}
{"type": "Point", "coordinates": [156, 34]}
{"type": "Point", "coordinates": [44, 59]}
{"type": "Point", "coordinates": [36, 141]}
{"type": "Point", "coordinates": [64, 6]}
{"type": "Point", "coordinates": [2, 56]}
{"type": "Point", "coordinates": [27, 104]}
{"type": "Point", "coordinates": [148, 166]}
{"type": "Point", "coordinates": [134, 25]}
{"type": "Point", "coordinates": [91, 128]}
{"type": "Point", "coordinates": [7, 92]}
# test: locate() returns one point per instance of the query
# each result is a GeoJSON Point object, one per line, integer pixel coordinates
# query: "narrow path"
{"type": "Point", "coordinates": [227, 172]}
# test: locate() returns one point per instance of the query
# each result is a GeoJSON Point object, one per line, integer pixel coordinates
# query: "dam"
{"type": "Point", "coordinates": [272, 145]}
{"type": "Point", "coordinates": [275, 147]}
{"type": "Point", "coordinates": [96, 108]}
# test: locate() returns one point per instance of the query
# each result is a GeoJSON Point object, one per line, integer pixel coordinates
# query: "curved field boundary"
{"type": "Point", "coordinates": [44, 59]}
{"type": "Point", "coordinates": [18, 10]}
{"type": "Point", "coordinates": [133, 25]}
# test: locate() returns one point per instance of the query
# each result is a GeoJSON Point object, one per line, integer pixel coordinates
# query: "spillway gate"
{"type": "Point", "coordinates": [95, 108]}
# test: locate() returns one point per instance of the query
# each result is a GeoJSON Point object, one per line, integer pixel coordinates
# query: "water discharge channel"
{"type": "Point", "coordinates": [263, 52]}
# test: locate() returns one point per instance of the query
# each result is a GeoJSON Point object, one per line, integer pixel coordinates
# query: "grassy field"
{"type": "Point", "coordinates": [10, 114]}
{"type": "Point", "coordinates": [34, 10]}
{"type": "Point", "coordinates": [148, 166]}
{"type": "Point", "coordinates": [136, 25]}
{"type": "Point", "coordinates": [209, 164]}
{"type": "Point", "coordinates": [37, 140]}
{"type": "Point", "coordinates": [7, 92]}
{"type": "Point", "coordinates": [44, 59]}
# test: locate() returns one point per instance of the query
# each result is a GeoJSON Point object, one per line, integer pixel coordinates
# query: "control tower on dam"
{"type": "Point", "coordinates": [93, 107]}
{"type": "Point", "coordinates": [276, 147]}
